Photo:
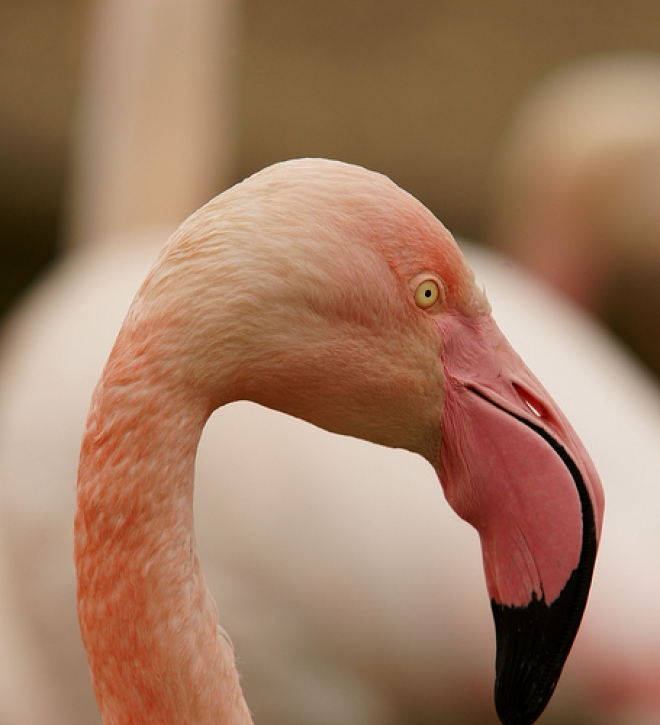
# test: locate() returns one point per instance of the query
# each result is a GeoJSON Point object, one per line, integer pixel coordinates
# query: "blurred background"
{"type": "Point", "coordinates": [422, 90]}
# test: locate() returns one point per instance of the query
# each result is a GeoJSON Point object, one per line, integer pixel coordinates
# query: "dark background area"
{"type": "Point", "coordinates": [419, 89]}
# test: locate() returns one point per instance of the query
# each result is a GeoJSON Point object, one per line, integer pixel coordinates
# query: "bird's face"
{"type": "Point", "coordinates": [512, 466]}
{"type": "Point", "coordinates": [340, 299]}
{"type": "Point", "coordinates": [508, 459]}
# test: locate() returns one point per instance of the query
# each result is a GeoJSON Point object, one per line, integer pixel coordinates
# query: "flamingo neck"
{"type": "Point", "coordinates": [148, 622]}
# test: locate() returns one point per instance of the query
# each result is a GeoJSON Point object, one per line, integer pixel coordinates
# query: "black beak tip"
{"type": "Point", "coordinates": [533, 643]}
{"type": "Point", "coordinates": [526, 672]}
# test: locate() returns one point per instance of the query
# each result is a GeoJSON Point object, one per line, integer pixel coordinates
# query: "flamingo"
{"type": "Point", "coordinates": [322, 290]}
{"type": "Point", "coordinates": [575, 190]}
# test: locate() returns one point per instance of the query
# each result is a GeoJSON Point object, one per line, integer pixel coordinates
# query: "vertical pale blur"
{"type": "Point", "coordinates": [156, 115]}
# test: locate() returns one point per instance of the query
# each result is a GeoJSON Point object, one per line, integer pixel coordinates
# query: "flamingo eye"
{"type": "Point", "coordinates": [427, 294]}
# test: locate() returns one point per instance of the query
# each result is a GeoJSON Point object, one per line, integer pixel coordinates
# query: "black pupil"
{"type": "Point", "coordinates": [427, 293]}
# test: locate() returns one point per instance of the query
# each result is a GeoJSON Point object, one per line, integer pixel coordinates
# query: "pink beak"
{"type": "Point", "coordinates": [512, 466]}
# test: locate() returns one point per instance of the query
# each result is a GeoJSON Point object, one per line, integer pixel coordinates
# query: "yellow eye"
{"type": "Point", "coordinates": [427, 294]}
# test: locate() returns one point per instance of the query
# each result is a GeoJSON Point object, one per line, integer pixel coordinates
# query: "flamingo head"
{"type": "Point", "coordinates": [325, 291]}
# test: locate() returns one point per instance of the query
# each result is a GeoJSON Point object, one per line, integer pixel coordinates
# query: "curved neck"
{"type": "Point", "coordinates": [148, 622]}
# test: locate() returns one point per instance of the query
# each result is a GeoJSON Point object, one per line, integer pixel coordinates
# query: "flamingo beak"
{"type": "Point", "coordinates": [512, 466]}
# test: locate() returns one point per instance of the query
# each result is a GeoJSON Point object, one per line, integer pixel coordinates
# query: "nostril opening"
{"type": "Point", "coordinates": [531, 403]}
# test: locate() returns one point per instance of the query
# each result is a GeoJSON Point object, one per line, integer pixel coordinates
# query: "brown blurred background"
{"type": "Point", "coordinates": [419, 89]}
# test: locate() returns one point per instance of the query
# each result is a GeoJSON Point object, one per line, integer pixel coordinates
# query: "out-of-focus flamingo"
{"type": "Point", "coordinates": [25, 690]}
{"type": "Point", "coordinates": [324, 291]}
{"type": "Point", "coordinates": [576, 190]}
